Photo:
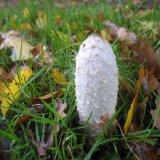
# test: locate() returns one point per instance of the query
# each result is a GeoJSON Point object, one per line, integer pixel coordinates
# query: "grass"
{"type": "Point", "coordinates": [72, 141]}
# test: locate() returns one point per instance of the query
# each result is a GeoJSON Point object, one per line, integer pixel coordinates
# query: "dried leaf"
{"type": "Point", "coordinates": [156, 113]}
{"type": "Point", "coordinates": [61, 107]}
{"type": "Point", "coordinates": [41, 54]}
{"type": "Point", "coordinates": [59, 77]}
{"type": "Point", "coordinates": [47, 97]}
{"type": "Point", "coordinates": [145, 54]}
{"type": "Point", "coordinates": [25, 26]}
{"type": "Point", "coordinates": [5, 76]}
{"type": "Point", "coordinates": [57, 19]}
{"type": "Point", "coordinates": [13, 92]}
{"type": "Point", "coordinates": [40, 147]}
{"type": "Point", "coordinates": [43, 147]}
{"type": "Point", "coordinates": [37, 106]}
{"type": "Point", "coordinates": [37, 49]}
{"type": "Point", "coordinates": [134, 102]}
{"type": "Point", "coordinates": [20, 48]}
{"type": "Point", "coordinates": [35, 109]}
{"type": "Point", "coordinates": [145, 151]}
{"type": "Point", "coordinates": [22, 119]}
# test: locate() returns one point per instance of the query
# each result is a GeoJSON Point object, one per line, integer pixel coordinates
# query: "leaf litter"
{"type": "Point", "coordinates": [142, 52]}
{"type": "Point", "coordinates": [43, 147]}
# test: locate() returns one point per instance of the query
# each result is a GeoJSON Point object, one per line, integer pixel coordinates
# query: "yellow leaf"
{"type": "Point", "coordinates": [2, 88]}
{"type": "Point", "coordinates": [134, 102]}
{"type": "Point", "coordinates": [57, 18]}
{"type": "Point", "coordinates": [25, 26]}
{"type": "Point", "coordinates": [59, 77]}
{"type": "Point", "coordinates": [13, 91]}
{"type": "Point", "coordinates": [104, 34]}
{"type": "Point", "coordinates": [26, 13]}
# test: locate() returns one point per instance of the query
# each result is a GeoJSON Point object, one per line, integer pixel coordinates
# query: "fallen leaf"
{"type": "Point", "coordinates": [2, 88]}
{"type": "Point", "coordinates": [13, 91]}
{"type": "Point", "coordinates": [37, 49]}
{"type": "Point", "coordinates": [46, 97]}
{"type": "Point", "coordinates": [59, 77]}
{"type": "Point", "coordinates": [145, 54]}
{"type": "Point", "coordinates": [134, 102]}
{"type": "Point", "coordinates": [20, 48]}
{"type": "Point", "coordinates": [43, 147]}
{"type": "Point", "coordinates": [37, 105]}
{"type": "Point", "coordinates": [35, 109]}
{"type": "Point", "coordinates": [60, 107]}
{"type": "Point", "coordinates": [156, 113]}
{"type": "Point", "coordinates": [25, 26]}
{"type": "Point", "coordinates": [150, 82]}
{"type": "Point", "coordinates": [145, 151]}
{"type": "Point", "coordinates": [41, 54]}
{"type": "Point", "coordinates": [57, 19]}
{"type": "Point", "coordinates": [5, 76]}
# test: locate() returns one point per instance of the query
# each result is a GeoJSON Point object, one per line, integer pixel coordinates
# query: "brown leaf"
{"type": "Point", "coordinates": [41, 54]}
{"type": "Point", "coordinates": [61, 107]}
{"type": "Point", "coordinates": [43, 147]}
{"type": "Point", "coordinates": [145, 54]}
{"type": "Point", "coordinates": [145, 151]}
{"type": "Point", "coordinates": [22, 119]}
{"type": "Point", "coordinates": [34, 109]}
{"type": "Point", "coordinates": [156, 113]}
{"type": "Point", "coordinates": [37, 106]}
{"type": "Point", "coordinates": [47, 97]}
{"type": "Point", "coordinates": [40, 147]}
{"type": "Point", "coordinates": [37, 49]}
{"type": "Point", "coordinates": [4, 75]}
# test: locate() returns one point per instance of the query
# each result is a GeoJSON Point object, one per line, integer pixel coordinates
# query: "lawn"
{"type": "Point", "coordinates": [38, 92]}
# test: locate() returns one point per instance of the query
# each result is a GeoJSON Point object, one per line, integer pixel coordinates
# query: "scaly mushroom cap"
{"type": "Point", "coordinates": [96, 79]}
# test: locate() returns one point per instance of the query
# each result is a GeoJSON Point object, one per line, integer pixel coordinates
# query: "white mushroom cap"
{"type": "Point", "coordinates": [96, 79]}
